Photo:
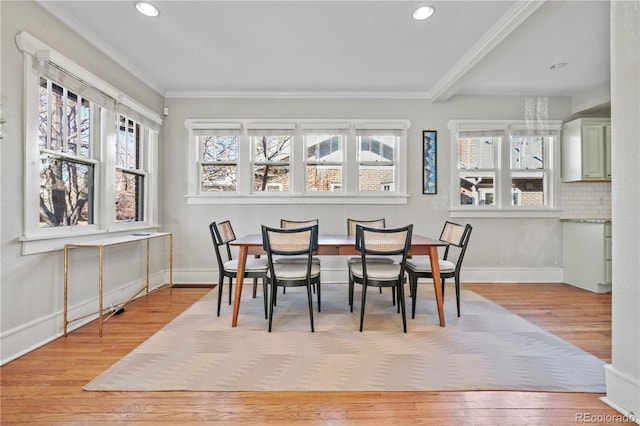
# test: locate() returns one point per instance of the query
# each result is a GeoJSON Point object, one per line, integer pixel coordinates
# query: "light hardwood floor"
{"type": "Point", "coordinates": [45, 386]}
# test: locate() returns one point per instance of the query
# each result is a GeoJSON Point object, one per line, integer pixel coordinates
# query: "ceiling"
{"type": "Point", "coordinates": [352, 48]}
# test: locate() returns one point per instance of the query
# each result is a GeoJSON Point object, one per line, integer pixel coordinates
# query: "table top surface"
{"type": "Point", "coordinates": [336, 240]}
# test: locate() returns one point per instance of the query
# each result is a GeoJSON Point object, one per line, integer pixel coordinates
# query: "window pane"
{"type": "Point", "coordinates": [129, 144]}
{"type": "Point", "coordinates": [477, 190]}
{"type": "Point", "coordinates": [56, 112]}
{"type": "Point", "coordinates": [324, 178]}
{"type": "Point", "coordinates": [376, 148]}
{"type": "Point", "coordinates": [376, 178]}
{"type": "Point", "coordinates": [324, 147]}
{"type": "Point", "coordinates": [43, 114]}
{"type": "Point", "coordinates": [128, 187]}
{"type": "Point", "coordinates": [270, 178]}
{"type": "Point", "coordinates": [272, 148]}
{"type": "Point", "coordinates": [66, 193]}
{"type": "Point", "coordinates": [527, 152]}
{"type": "Point", "coordinates": [527, 189]}
{"type": "Point", "coordinates": [220, 148]}
{"type": "Point", "coordinates": [216, 178]}
{"type": "Point", "coordinates": [72, 124]}
{"type": "Point", "coordinates": [477, 153]}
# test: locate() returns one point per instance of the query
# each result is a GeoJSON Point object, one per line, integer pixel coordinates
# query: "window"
{"type": "Point", "coordinates": [271, 159]}
{"type": "Point", "coordinates": [324, 154]}
{"type": "Point", "coordinates": [504, 165]}
{"type": "Point", "coordinates": [130, 175]}
{"type": "Point", "coordinates": [219, 160]}
{"type": "Point", "coordinates": [306, 161]}
{"type": "Point", "coordinates": [89, 153]}
{"type": "Point", "coordinates": [376, 160]}
{"type": "Point", "coordinates": [67, 166]}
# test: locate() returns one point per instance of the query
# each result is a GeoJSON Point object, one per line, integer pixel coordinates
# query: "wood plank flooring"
{"type": "Point", "coordinates": [44, 387]}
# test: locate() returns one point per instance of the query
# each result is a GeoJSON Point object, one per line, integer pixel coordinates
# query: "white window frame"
{"type": "Point", "coordinates": [297, 194]}
{"type": "Point", "coordinates": [502, 167]}
{"type": "Point", "coordinates": [37, 240]}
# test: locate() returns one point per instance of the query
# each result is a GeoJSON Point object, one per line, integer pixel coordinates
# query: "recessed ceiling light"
{"type": "Point", "coordinates": [557, 65]}
{"type": "Point", "coordinates": [147, 9]}
{"type": "Point", "coordinates": [422, 13]}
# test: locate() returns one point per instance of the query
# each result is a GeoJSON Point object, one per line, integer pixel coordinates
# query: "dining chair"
{"type": "Point", "coordinates": [351, 230]}
{"type": "Point", "coordinates": [374, 242]}
{"type": "Point", "coordinates": [222, 234]}
{"type": "Point", "coordinates": [283, 242]}
{"type": "Point", "coordinates": [457, 238]}
{"type": "Point", "coordinates": [292, 224]}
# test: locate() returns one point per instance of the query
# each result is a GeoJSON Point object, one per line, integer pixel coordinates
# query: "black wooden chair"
{"type": "Point", "coordinates": [457, 238]}
{"type": "Point", "coordinates": [375, 242]}
{"type": "Point", "coordinates": [294, 242]}
{"type": "Point", "coordinates": [222, 234]}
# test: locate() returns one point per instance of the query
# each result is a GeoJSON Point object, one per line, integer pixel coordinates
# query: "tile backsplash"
{"type": "Point", "coordinates": [585, 200]}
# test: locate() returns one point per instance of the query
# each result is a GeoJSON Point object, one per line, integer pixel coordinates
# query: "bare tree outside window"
{"type": "Point", "coordinates": [219, 163]}
{"type": "Point", "coordinates": [272, 156]}
{"type": "Point", "coordinates": [66, 175]}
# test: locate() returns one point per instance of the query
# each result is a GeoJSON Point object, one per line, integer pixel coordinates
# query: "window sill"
{"type": "Point", "coordinates": [509, 213]}
{"type": "Point", "coordinates": [46, 243]}
{"type": "Point", "coordinates": [293, 199]}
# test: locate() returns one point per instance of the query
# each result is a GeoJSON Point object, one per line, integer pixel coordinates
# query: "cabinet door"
{"type": "Point", "coordinates": [593, 151]}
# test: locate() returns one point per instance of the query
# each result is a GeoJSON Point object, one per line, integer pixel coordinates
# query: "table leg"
{"type": "Point", "coordinates": [437, 285]}
{"type": "Point", "coordinates": [242, 261]}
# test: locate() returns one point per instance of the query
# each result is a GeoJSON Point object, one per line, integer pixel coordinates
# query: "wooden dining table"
{"type": "Point", "coordinates": [337, 245]}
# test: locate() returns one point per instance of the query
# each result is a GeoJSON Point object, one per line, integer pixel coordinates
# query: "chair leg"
{"type": "Point", "coordinates": [319, 303]}
{"type": "Point", "coordinates": [265, 296]}
{"type": "Point", "coordinates": [274, 289]}
{"type": "Point", "coordinates": [413, 289]}
{"type": "Point", "coordinates": [402, 306]}
{"type": "Point", "coordinates": [220, 285]}
{"type": "Point", "coordinates": [230, 285]}
{"type": "Point", "coordinates": [255, 287]}
{"type": "Point", "coordinates": [364, 299]}
{"type": "Point", "coordinates": [310, 299]}
{"type": "Point", "coordinates": [351, 285]}
{"type": "Point", "coordinates": [457, 280]}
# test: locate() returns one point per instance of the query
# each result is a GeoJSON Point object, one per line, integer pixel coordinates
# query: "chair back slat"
{"type": "Point", "coordinates": [454, 234]}
{"type": "Point", "coordinates": [289, 241]}
{"type": "Point", "coordinates": [225, 232]}
{"type": "Point", "coordinates": [385, 241]}
{"type": "Point", "coordinates": [375, 223]}
{"type": "Point", "coordinates": [292, 224]}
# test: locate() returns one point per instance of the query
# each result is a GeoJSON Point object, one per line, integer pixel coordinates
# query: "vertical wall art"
{"type": "Point", "coordinates": [429, 156]}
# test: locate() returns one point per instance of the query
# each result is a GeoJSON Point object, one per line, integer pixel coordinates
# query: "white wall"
{"type": "Point", "coordinates": [501, 249]}
{"type": "Point", "coordinates": [31, 287]}
{"type": "Point", "coordinates": [623, 375]}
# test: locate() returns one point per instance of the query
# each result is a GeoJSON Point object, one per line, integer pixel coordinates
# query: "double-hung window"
{"type": "Point", "coordinates": [310, 161]}
{"type": "Point", "coordinates": [218, 153]}
{"type": "Point", "coordinates": [504, 166]}
{"type": "Point", "coordinates": [324, 155]}
{"type": "Point", "coordinates": [377, 168]}
{"type": "Point", "coordinates": [90, 154]}
{"type": "Point", "coordinates": [271, 150]}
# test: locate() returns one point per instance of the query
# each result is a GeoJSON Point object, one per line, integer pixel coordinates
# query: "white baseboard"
{"type": "Point", "coordinates": [623, 394]}
{"type": "Point", "coordinates": [23, 339]}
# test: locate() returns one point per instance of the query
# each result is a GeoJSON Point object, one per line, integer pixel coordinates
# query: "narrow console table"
{"type": "Point", "coordinates": [100, 245]}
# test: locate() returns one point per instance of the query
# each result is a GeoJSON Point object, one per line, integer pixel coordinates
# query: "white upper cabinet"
{"type": "Point", "coordinates": [586, 149]}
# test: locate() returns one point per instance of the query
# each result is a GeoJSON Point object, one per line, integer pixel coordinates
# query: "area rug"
{"type": "Point", "coordinates": [487, 348]}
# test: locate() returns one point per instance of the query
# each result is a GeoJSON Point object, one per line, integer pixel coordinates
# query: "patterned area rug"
{"type": "Point", "coordinates": [488, 348]}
